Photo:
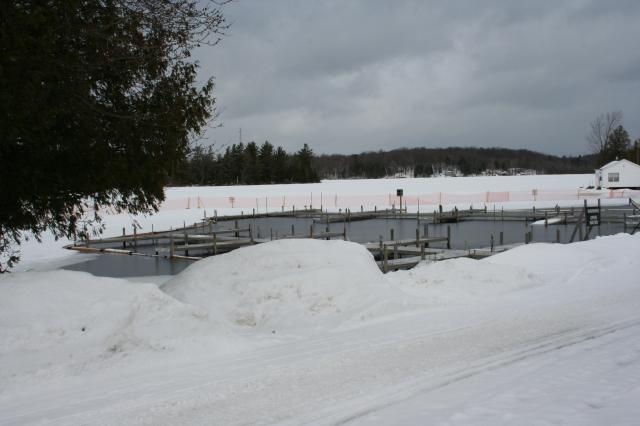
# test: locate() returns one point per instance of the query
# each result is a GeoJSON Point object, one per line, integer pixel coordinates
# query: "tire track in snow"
{"type": "Point", "coordinates": [405, 392]}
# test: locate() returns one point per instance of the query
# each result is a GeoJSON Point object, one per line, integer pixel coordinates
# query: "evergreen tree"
{"type": "Point", "coordinates": [98, 100]}
{"type": "Point", "coordinates": [281, 172]}
{"type": "Point", "coordinates": [618, 145]}
{"type": "Point", "coordinates": [303, 170]}
{"type": "Point", "coordinates": [250, 172]}
{"type": "Point", "coordinates": [265, 163]}
{"type": "Point", "coordinates": [236, 163]}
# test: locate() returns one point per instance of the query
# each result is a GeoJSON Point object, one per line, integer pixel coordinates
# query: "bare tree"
{"type": "Point", "coordinates": [601, 129]}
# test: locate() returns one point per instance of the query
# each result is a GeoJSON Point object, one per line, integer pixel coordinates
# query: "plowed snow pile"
{"type": "Point", "coordinates": [65, 319]}
{"type": "Point", "coordinates": [286, 285]}
{"type": "Point", "coordinates": [462, 281]}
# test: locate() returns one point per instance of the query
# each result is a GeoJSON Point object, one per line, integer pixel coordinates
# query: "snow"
{"type": "Point", "coordinates": [285, 285]}
{"type": "Point", "coordinates": [64, 322]}
{"type": "Point", "coordinates": [310, 332]}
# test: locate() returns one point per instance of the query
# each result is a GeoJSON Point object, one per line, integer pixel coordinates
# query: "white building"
{"type": "Point", "coordinates": [618, 174]}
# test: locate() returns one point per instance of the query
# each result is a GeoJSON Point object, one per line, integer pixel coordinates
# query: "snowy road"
{"type": "Point", "coordinates": [457, 365]}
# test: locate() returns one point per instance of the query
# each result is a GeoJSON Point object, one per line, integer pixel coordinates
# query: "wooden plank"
{"type": "Point", "coordinates": [407, 242]}
{"type": "Point", "coordinates": [219, 245]}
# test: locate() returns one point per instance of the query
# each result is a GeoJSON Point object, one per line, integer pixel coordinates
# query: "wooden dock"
{"type": "Point", "coordinates": [208, 238]}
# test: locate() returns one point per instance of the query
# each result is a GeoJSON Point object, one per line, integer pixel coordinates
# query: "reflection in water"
{"type": "Point", "coordinates": [121, 266]}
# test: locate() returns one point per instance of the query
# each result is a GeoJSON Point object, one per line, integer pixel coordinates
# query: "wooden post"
{"type": "Point", "coordinates": [135, 238]}
{"type": "Point", "coordinates": [251, 233]}
{"type": "Point", "coordinates": [425, 229]}
{"type": "Point", "coordinates": [171, 246]}
{"type": "Point", "coordinates": [391, 234]}
{"type": "Point", "coordinates": [422, 255]}
{"type": "Point", "coordinates": [186, 244]}
{"type": "Point", "coordinates": [153, 240]}
{"type": "Point", "coordinates": [587, 228]}
{"type": "Point", "coordinates": [557, 235]}
{"type": "Point", "coordinates": [526, 237]}
{"type": "Point", "coordinates": [235, 225]}
{"type": "Point", "coordinates": [448, 236]}
{"type": "Point", "coordinates": [311, 231]}
{"type": "Point", "coordinates": [344, 232]}
{"type": "Point", "coordinates": [417, 237]}
{"type": "Point", "coordinates": [124, 243]}
{"type": "Point", "coordinates": [271, 234]}
{"type": "Point", "coordinates": [492, 242]}
{"type": "Point", "coordinates": [215, 244]}
{"type": "Point", "coordinates": [327, 231]}
{"type": "Point", "coordinates": [385, 259]}
{"type": "Point", "coordinates": [501, 237]}
{"type": "Point", "coordinates": [546, 222]}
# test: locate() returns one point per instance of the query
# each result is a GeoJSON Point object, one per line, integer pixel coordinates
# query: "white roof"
{"type": "Point", "coordinates": [616, 162]}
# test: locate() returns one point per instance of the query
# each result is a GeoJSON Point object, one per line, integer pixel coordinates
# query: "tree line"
{"type": "Point", "coordinates": [246, 164]}
{"type": "Point", "coordinates": [425, 162]}
{"type": "Point", "coordinates": [253, 164]}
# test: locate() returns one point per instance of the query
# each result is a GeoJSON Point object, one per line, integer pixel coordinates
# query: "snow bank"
{"type": "Point", "coordinates": [466, 280]}
{"type": "Point", "coordinates": [565, 262]}
{"type": "Point", "coordinates": [285, 285]}
{"type": "Point", "coordinates": [462, 280]}
{"type": "Point", "coordinates": [67, 319]}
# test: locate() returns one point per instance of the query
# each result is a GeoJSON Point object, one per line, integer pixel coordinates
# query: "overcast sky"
{"type": "Point", "coordinates": [350, 76]}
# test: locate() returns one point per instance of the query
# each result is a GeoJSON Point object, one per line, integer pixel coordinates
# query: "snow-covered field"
{"type": "Point", "coordinates": [310, 332]}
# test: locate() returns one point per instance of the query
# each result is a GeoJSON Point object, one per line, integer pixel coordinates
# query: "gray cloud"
{"type": "Point", "coordinates": [367, 75]}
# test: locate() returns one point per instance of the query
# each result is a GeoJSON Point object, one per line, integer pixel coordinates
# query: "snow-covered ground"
{"type": "Point", "coordinates": [310, 332]}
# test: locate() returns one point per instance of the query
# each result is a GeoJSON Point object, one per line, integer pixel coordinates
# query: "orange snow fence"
{"type": "Point", "coordinates": [387, 201]}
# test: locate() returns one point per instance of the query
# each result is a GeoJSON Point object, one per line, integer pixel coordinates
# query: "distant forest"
{"type": "Point", "coordinates": [247, 164]}
{"type": "Point", "coordinates": [424, 162]}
